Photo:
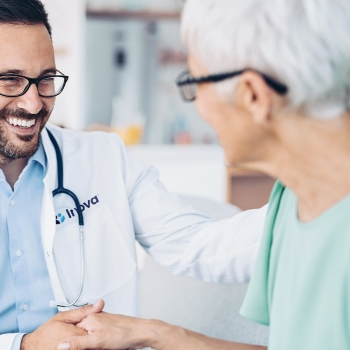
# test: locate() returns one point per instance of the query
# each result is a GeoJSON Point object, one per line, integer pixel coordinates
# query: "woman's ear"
{"type": "Point", "coordinates": [254, 96]}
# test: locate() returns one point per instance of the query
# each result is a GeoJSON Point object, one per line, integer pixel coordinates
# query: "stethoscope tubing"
{"type": "Point", "coordinates": [61, 190]}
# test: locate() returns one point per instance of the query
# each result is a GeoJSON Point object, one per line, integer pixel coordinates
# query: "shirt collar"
{"type": "Point", "coordinates": [39, 156]}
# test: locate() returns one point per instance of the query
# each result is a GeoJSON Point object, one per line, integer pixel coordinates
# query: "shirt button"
{"type": "Point", "coordinates": [25, 307]}
{"type": "Point", "coordinates": [18, 252]}
{"type": "Point", "coordinates": [12, 202]}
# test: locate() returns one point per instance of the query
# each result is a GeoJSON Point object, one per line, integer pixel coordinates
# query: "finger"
{"type": "Point", "coordinates": [81, 342]}
{"type": "Point", "coordinates": [77, 315]}
{"type": "Point", "coordinates": [86, 324]}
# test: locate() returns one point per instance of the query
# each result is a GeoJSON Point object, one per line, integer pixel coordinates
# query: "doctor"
{"type": "Point", "coordinates": [42, 264]}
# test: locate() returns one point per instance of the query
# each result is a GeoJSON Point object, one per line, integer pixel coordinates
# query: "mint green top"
{"type": "Point", "coordinates": [301, 283]}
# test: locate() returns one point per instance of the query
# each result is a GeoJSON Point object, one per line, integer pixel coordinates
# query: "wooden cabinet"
{"type": "Point", "coordinates": [247, 189]}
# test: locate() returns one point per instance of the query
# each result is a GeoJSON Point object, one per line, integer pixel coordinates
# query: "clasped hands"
{"type": "Point", "coordinates": [90, 328]}
{"type": "Point", "coordinates": [84, 328]}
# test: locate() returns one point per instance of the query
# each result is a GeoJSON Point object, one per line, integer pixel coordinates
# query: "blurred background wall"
{"type": "Point", "coordinates": [122, 57]}
{"type": "Point", "coordinates": [126, 52]}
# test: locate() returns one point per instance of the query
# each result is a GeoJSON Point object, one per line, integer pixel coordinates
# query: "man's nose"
{"type": "Point", "coordinates": [30, 101]}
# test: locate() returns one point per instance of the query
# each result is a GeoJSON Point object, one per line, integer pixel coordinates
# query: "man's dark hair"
{"type": "Point", "coordinates": [27, 12]}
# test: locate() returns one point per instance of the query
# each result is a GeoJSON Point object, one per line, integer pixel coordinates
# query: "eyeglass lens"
{"type": "Point", "coordinates": [188, 91]}
{"type": "Point", "coordinates": [15, 85]}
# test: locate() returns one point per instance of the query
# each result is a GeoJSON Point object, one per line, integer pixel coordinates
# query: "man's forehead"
{"type": "Point", "coordinates": [23, 29]}
{"type": "Point", "coordinates": [25, 49]}
{"type": "Point", "coordinates": [24, 36]}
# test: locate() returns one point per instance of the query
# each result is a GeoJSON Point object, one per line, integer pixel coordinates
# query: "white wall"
{"type": "Point", "coordinates": [198, 171]}
{"type": "Point", "coordinates": [67, 18]}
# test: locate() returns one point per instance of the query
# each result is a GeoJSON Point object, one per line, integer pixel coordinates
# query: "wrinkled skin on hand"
{"type": "Point", "coordinates": [59, 327]}
{"type": "Point", "coordinates": [112, 332]}
{"type": "Point", "coordinates": [107, 331]}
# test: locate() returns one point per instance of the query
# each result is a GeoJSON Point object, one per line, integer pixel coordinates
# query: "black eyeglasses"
{"type": "Point", "coordinates": [13, 85]}
{"type": "Point", "coordinates": [188, 89]}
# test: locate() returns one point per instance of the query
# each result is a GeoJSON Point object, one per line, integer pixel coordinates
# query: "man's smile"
{"type": "Point", "coordinates": [24, 123]}
{"type": "Point", "coordinates": [21, 126]}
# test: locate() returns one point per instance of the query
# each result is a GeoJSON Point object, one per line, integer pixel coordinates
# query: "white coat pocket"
{"type": "Point", "coordinates": [108, 262]}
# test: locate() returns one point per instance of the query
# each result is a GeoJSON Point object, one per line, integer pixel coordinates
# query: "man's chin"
{"type": "Point", "coordinates": [25, 147]}
{"type": "Point", "coordinates": [26, 138]}
{"type": "Point", "coordinates": [18, 143]}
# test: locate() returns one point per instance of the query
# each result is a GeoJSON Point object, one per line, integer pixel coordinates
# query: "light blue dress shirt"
{"type": "Point", "coordinates": [25, 288]}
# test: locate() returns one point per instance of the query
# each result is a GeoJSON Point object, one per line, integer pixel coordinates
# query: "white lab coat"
{"type": "Point", "coordinates": [123, 200]}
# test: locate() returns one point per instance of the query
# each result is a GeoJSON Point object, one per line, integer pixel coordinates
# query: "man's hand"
{"type": "Point", "coordinates": [58, 328]}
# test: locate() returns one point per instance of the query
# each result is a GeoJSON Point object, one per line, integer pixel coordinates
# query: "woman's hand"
{"type": "Point", "coordinates": [59, 327]}
{"type": "Point", "coordinates": [107, 331]}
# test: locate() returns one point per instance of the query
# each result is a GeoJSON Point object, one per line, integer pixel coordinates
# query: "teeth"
{"type": "Point", "coordinates": [21, 122]}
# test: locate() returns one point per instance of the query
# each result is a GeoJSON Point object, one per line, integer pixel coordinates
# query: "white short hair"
{"type": "Point", "coordinates": [304, 44]}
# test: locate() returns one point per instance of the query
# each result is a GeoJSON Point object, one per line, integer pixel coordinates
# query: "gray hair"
{"type": "Point", "coordinates": [304, 44]}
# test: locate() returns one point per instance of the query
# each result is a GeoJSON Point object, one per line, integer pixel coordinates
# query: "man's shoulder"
{"type": "Point", "coordinates": [86, 139]}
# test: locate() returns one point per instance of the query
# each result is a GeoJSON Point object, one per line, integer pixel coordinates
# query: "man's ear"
{"type": "Point", "coordinates": [254, 96]}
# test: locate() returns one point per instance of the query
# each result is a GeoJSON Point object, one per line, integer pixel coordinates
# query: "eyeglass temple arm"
{"type": "Point", "coordinates": [278, 87]}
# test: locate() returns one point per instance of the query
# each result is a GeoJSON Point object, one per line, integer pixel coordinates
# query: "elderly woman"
{"type": "Point", "coordinates": [273, 79]}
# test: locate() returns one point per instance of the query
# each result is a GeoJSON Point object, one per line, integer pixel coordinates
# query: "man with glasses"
{"type": "Point", "coordinates": [121, 200]}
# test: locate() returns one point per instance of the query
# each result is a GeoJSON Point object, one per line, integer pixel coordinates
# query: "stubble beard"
{"type": "Point", "coordinates": [32, 142]}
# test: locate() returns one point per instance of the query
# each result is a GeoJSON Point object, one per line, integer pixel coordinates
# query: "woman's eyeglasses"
{"type": "Point", "coordinates": [187, 84]}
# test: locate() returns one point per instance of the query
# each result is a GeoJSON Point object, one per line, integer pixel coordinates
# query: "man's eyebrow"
{"type": "Point", "coordinates": [21, 72]}
{"type": "Point", "coordinates": [12, 71]}
{"type": "Point", "coordinates": [49, 71]}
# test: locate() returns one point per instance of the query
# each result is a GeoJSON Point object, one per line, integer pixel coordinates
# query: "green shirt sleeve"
{"type": "Point", "coordinates": [256, 303]}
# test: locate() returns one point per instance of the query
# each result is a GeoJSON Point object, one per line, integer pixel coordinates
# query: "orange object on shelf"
{"type": "Point", "coordinates": [131, 134]}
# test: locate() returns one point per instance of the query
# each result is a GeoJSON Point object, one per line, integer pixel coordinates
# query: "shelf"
{"type": "Point", "coordinates": [124, 14]}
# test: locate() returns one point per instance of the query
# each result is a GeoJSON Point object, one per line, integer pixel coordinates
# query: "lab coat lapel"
{"type": "Point", "coordinates": [48, 224]}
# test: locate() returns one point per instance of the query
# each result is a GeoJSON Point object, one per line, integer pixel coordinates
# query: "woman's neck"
{"type": "Point", "coordinates": [312, 158]}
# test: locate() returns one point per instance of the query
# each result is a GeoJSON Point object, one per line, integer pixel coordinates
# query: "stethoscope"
{"type": "Point", "coordinates": [61, 190]}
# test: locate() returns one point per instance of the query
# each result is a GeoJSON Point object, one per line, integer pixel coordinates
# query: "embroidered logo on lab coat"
{"type": "Point", "coordinates": [70, 213]}
{"type": "Point", "coordinates": [60, 219]}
